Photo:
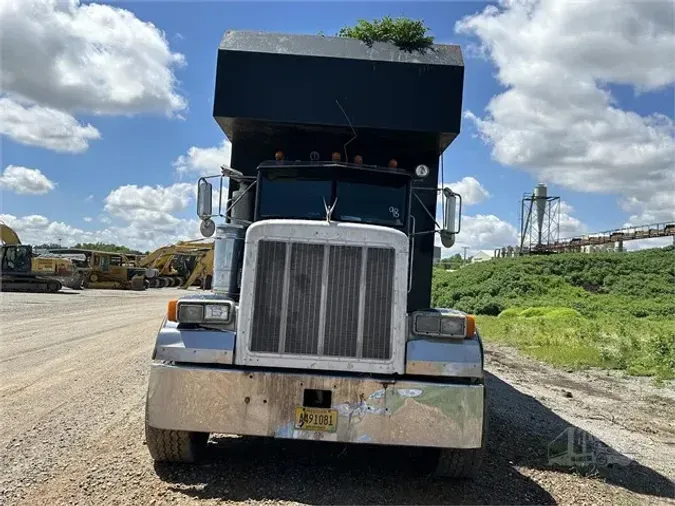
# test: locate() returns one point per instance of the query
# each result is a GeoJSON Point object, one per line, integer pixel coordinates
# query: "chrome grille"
{"type": "Point", "coordinates": [329, 300]}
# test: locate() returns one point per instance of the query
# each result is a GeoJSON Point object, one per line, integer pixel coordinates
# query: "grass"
{"type": "Point", "coordinates": [611, 311]}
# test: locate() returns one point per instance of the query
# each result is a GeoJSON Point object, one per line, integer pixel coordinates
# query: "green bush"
{"type": "Point", "coordinates": [575, 310]}
{"type": "Point", "coordinates": [407, 34]}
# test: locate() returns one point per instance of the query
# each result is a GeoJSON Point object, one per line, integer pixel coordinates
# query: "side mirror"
{"type": "Point", "coordinates": [204, 199]}
{"type": "Point", "coordinates": [452, 219]}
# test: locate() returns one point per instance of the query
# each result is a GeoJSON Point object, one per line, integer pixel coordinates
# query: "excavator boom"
{"type": "Point", "coordinates": [8, 236]}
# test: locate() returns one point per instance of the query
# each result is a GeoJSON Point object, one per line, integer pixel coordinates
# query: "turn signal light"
{"type": "Point", "coordinates": [336, 157]}
{"type": "Point", "coordinates": [172, 311]}
{"type": "Point", "coordinates": [279, 156]}
{"type": "Point", "coordinates": [393, 164]}
{"type": "Point", "coordinates": [470, 325]}
{"type": "Point", "coordinates": [358, 159]}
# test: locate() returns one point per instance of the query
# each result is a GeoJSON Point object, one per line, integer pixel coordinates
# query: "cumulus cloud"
{"type": "Point", "coordinates": [481, 232]}
{"type": "Point", "coordinates": [87, 57]}
{"type": "Point", "coordinates": [61, 58]}
{"type": "Point", "coordinates": [569, 226]}
{"type": "Point", "coordinates": [37, 229]}
{"type": "Point", "coordinates": [557, 119]}
{"type": "Point", "coordinates": [204, 161]}
{"type": "Point", "coordinates": [87, 219]}
{"type": "Point", "coordinates": [35, 125]}
{"type": "Point", "coordinates": [165, 199]}
{"type": "Point", "coordinates": [471, 190]}
{"type": "Point", "coordinates": [25, 181]}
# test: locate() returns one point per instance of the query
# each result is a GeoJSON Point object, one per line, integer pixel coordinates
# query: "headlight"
{"type": "Point", "coordinates": [217, 312]}
{"type": "Point", "coordinates": [200, 312]}
{"type": "Point", "coordinates": [443, 325]}
{"type": "Point", "coordinates": [190, 313]}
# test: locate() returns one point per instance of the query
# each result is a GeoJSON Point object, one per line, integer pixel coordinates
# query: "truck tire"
{"type": "Point", "coordinates": [175, 445]}
{"type": "Point", "coordinates": [463, 462]}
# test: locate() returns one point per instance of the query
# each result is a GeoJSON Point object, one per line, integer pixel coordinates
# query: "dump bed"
{"type": "Point", "coordinates": [303, 93]}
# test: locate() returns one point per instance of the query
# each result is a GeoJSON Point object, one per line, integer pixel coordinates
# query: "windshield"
{"type": "Point", "coordinates": [363, 197]}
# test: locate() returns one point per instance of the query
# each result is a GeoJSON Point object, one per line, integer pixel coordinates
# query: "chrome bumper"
{"type": "Point", "coordinates": [262, 403]}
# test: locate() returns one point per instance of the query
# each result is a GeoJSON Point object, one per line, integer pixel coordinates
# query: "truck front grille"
{"type": "Point", "coordinates": [327, 300]}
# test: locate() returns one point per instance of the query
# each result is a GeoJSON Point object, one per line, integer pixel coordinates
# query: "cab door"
{"type": "Point", "coordinates": [116, 269]}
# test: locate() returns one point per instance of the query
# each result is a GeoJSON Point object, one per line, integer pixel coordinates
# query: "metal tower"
{"type": "Point", "coordinates": [539, 221]}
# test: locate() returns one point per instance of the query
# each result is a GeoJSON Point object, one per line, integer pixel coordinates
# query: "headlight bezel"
{"type": "Point", "coordinates": [430, 324]}
{"type": "Point", "coordinates": [226, 305]}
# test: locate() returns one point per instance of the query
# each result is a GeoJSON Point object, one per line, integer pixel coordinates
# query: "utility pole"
{"type": "Point", "coordinates": [465, 248]}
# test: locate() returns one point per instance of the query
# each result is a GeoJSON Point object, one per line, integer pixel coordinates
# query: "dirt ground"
{"type": "Point", "coordinates": [73, 373]}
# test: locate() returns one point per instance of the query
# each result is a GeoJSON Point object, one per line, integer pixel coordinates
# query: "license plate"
{"type": "Point", "coordinates": [319, 419]}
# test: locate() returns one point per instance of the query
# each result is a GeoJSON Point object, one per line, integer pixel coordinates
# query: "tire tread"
{"type": "Point", "coordinates": [175, 445]}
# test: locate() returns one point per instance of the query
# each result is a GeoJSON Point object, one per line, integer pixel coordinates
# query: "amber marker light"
{"type": "Point", "coordinates": [172, 311]}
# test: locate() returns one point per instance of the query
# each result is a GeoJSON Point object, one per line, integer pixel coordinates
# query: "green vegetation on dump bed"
{"type": "Point", "coordinates": [407, 34]}
{"type": "Point", "coordinates": [608, 310]}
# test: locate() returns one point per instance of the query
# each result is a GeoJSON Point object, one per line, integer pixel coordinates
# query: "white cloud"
{"type": "Point", "coordinates": [35, 125]}
{"type": "Point", "coordinates": [481, 232]}
{"type": "Point", "coordinates": [87, 219]}
{"type": "Point", "coordinates": [25, 181]}
{"type": "Point", "coordinates": [166, 199]}
{"type": "Point", "coordinates": [38, 229]}
{"type": "Point", "coordinates": [61, 58]}
{"type": "Point", "coordinates": [569, 226]}
{"type": "Point", "coordinates": [90, 198]}
{"type": "Point", "coordinates": [87, 57]}
{"type": "Point", "coordinates": [655, 242]}
{"type": "Point", "coordinates": [557, 119]}
{"type": "Point", "coordinates": [204, 161]}
{"type": "Point", "coordinates": [471, 190]}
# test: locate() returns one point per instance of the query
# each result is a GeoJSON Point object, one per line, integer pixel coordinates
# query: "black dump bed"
{"type": "Point", "coordinates": [304, 93]}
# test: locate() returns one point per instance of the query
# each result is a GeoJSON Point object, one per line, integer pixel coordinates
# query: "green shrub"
{"type": "Point", "coordinates": [407, 34]}
{"type": "Point", "coordinates": [578, 310]}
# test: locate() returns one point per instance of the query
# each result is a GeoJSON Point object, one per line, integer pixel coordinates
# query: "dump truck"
{"type": "Point", "coordinates": [319, 325]}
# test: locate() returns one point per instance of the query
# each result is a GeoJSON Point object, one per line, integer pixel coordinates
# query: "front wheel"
{"type": "Point", "coordinates": [175, 445]}
{"type": "Point", "coordinates": [463, 462]}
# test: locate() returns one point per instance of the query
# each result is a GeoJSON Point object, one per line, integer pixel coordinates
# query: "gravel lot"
{"type": "Point", "coordinates": [73, 373]}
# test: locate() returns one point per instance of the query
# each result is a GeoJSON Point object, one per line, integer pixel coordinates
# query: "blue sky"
{"type": "Point", "coordinates": [141, 148]}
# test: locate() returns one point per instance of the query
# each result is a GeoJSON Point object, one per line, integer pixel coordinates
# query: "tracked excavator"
{"type": "Point", "coordinates": [183, 264]}
{"type": "Point", "coordinates": [22, 270]}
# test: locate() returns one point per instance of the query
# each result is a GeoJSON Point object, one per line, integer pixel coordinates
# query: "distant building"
{"type": "Point", "coordinates": [437, 254]}
{"type": "Point", "coordinates": [482, 256]}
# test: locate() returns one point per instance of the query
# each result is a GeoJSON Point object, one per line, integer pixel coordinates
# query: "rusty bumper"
{"type": "Point", "coordinates": [262, 403]}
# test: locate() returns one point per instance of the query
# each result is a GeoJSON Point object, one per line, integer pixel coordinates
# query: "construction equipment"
{"type": "Point", "coordinates": [108, 270]}
{"type": "Point", "coordinates": [320, 323]}
{"type": "Point", "coordinates": [183, 264]}
{"type": "Point", "coordinates": [23, 270]}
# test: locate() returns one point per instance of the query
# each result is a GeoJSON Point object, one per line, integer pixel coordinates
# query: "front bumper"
{"type": "Point", "coordinates": [262, 403]}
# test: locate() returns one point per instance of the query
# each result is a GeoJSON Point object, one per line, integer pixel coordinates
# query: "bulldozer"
{"type": "Point", "coordinates": [108, 270]}
{"type": "Point", "coordinates": [183, 264]}
{"type": "Point", "coordinates": [22, 270]}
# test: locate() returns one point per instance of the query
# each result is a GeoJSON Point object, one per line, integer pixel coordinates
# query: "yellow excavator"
{"type": "Point", "coordinates": [22, 270]}
{"type": "Point", "coordinates": [183, 264]}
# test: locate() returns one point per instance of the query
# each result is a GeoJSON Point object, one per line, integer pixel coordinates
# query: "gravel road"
{"type": "Point", "coordinates": [73, 373]}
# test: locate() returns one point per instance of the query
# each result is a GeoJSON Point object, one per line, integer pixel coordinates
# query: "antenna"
{"type": "Point", "coordinates": [350, 126]}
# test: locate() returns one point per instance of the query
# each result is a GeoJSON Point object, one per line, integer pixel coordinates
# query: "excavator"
{"type": "Point", "coordinates": [22, 270]}
{"type": "Point", "coordinates": [183, 264]}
